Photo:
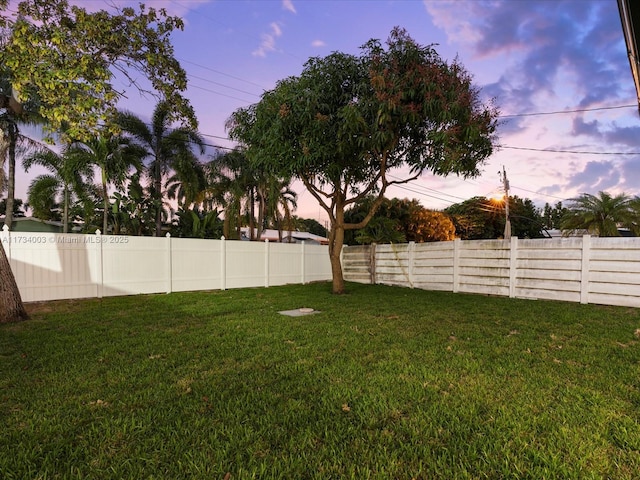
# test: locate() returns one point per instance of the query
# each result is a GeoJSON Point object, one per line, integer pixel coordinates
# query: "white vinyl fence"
{"type": "Point", "coordinates": [586, 270]}
{"type": "Point", "coordinates": [49, 266]}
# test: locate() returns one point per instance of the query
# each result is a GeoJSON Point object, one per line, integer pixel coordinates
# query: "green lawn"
{"type": "Point", "coordinates": [384, 383]}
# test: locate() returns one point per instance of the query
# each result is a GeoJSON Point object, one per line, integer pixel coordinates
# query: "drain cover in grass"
{"type": "Point", "coordinates": [299, 312]}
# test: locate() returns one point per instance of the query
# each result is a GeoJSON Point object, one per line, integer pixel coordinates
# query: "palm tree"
{"type": "Point", "coordinates": [188, 184]}
{"type": "Point", "coordinates": [277, 195]}
{"type": "Point", "coordinates": [233, 185]}
{"type": "Point", "coordinates": [165, 147]}
{"type": "Point", "coordinates": [599, 215]}
{"type": "Point", "coordinates": [115, 156]}
{"type": "Point", "coordinates": [68, 177]}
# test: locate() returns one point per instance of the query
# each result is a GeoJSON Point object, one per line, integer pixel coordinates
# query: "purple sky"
{"type": "Point", "coordinates": [532, 56]}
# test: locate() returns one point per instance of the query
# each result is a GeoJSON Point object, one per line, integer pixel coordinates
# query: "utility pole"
{"type": "Point", "coordinates": [505, 184]}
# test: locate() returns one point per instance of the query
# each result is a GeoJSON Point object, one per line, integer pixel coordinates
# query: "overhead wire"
{"type": "Point", "coordinates": [577, 110]}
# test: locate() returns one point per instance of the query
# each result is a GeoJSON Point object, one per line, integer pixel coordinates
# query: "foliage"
{"type": "Point", "coordinates": [66, 182]}
{"type": "Point", "coordinates": [238, 186]}
{"type": "Point", "coordinates": [483, 218]}
{"type": "Point", "coordinates": [551, 216]}
{"type": "Point", "coordinates": [310, 225]}
{"type": "Point", "coordinates": [196, 224]}
{"type": "Point", "coordinates": [169, 150]}
{"type": "Point", "coordinates": [115, 156]}
{"type": "Point", "coordinates": [133, 213]}
{"type": "Point", "coordinates": [599, 215]}
{"type": "Point", "coordinates": [66, 58]}
{"type": "Point", "coordinates": [401, 384]}
{"type": "Point", "coordinates": [403, 220]}
{"type": "Point", "coordinates": [347, 121]}
{"type": "Point", "coordinates": [18, 207]}
{"type": "Point", "coordinates": [380, 230]}
{"type": "Point", "coordinates": [430, 226]}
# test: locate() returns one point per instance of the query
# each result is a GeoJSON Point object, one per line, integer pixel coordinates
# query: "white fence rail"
{"type": "Point", "coordinates": [586, 270]}
{"type": "Point", "coordinates": [50, 266]}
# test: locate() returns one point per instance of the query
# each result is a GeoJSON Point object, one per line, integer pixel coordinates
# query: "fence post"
{"type": "Point", "coordinates": [6, 241]}
{"type": "Point", "coordinates": [372, 264]}
{"type": "Point", "coordinates": [584, 276]}
{"type": "Point", "coordinates": [456, 265]}
{"type": "Point", "coordinates": [302, 262]}
{"type": "Point", "coordinates": [412, 257]}
{"type": "Point", "coordinates": [169, 264]}
{"type": "Point", "coordinates": [267, 261]}
{"type": "Point", "coordinates": [223, 263]}
{"type": "Point", "coordinates": [99, 265]}
{"type": "Point", "coordinates": [513, 259]}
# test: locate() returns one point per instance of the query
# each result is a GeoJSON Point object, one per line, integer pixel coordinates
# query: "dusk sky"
{"type": "Point", "coordinates": [532, 57]}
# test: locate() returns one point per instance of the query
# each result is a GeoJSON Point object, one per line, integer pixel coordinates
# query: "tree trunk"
{"type": "Point", "coordinates": [336, 240]}
{"type": "Point", "coordinates": [105, 213]}
{"type": "Point", "coordinates": [65, 210]}
{"type": "Point", "coordinates": [252, 208]}
{"type": "Point", "coordinates": [11, 307]}
{"type": "Point", "coordinates": [11, 187]}
{"type": "Point", "coordinates": [158, 187]}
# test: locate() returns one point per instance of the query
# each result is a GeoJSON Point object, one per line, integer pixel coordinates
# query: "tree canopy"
{"type": "Point", "coordinates": [483, 218]}
{"type": "Point", "coordinates": [600, 214]}
{"type": "Point", "coordinates": [67, 59]}
{"type": "Point", "coordinates": [398, 220]}
{"type": "Point", "coordinates": [346, 121]}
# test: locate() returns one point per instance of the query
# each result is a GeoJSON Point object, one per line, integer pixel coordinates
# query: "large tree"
{"type": "Point", "coordinates": [346, 121]}
{"type": "Point", "coordinates": [66, 58]}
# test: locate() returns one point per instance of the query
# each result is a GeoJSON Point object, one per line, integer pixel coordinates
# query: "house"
{"type": "Point", "coordinates": [630, 18]}
{"type": "Point", "coordinates": [31, 224]}
{"type": "Point", "coordinates": [288, 236]}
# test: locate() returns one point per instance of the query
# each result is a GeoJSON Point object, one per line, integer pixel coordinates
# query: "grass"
{"type": "Point", "coordinates": [384, 383]}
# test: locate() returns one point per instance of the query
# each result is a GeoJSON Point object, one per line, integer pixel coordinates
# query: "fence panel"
{"type": "Point", "coordinates": [549, 269]}
{"type": "Point", "coordinates": [196, 264]}
{"type": "Point", "coordinates": [63, 266]}
{"type": "Point", "coordinates": [614, 276]}
{"type": "Point", "coordinates": [433, 266]}
{"type": "Point", "coordinates": [357, 263]}
{"type": "Point", "coordinates": [54, 265]}
{"type": "Point", "coordinates": [134, 265]}
{"type": "Point", "coordinates": [484, 267]}
{"type": "Point", "coordinates": [392, 264]}
{"type": "Point", "coordinates": [587, 270]}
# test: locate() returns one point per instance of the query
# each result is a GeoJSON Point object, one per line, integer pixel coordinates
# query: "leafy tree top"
{"type": "Point", "coordinates": [66, 58]}
{"type": "Point", "coordinates": [347, 120]}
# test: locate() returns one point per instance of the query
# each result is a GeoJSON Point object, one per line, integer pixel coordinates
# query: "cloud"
{"type": "Point", "coordinates": [546, 48]}
{"type": "Point", "coordinates": [623, 136]}
{"type": "Point", "coordinates": [591, 129]}
{"type": "Point", "coordinates": [288, 5]}
{"type": "Point", "coordinates": [318, 44]}
{"type": "Point", "coordinates": [268, 43]}
{"type": "Point", "coordinates": [597, 176]}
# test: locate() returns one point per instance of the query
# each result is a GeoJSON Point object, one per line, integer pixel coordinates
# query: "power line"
{"type": "Point", "coordinates": [222, 85]}
{"type": "Point", "coordinates": [219, 93]}
{"type": "Point", "coordinates": [222, 73]}
{"type": "Point", "coordinates": [559, 112]}
{"type": "Point", "coordinates": [553, 150]}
